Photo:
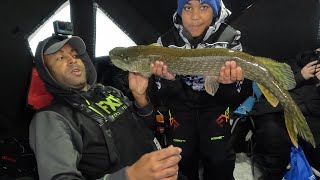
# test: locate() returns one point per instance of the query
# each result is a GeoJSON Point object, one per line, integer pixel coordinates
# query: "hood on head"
{"type": "Point", "coordinates": [53, 44]}
{"type": "Point", "coordinates": [215, 5]}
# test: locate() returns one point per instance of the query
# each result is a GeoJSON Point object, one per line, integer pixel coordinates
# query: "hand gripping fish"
{"type": "Point", "coordinates": [274, 78]}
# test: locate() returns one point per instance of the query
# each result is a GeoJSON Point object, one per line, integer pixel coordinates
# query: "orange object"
{"type": "Point", "coordinates": [160, 118]}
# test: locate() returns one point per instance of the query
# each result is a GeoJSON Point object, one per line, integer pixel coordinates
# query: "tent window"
{"type": "Point", "coordinates": [109, 35]}
{"type": "Point", "coordinates": [46, 29]}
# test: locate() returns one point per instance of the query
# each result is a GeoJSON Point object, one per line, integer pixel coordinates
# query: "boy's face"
{"type": "Point", "coordinates": [67, 68]}
{"type": "Point", "coordinates": [196, 17]}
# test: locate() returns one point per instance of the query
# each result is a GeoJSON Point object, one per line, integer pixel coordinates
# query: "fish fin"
{"type": "Point", "coordinates": [154, 44]}
{"type": "Point", "coordinates": [281, 72]}
{"type": "Point", "coordinates": [269, 96]}
{"type": "Point", "coordinates": [297, 124]}
{"type": "Point", "coordinates": [291, 128]}
{"type": "Point", "coordinates": [211, 85]}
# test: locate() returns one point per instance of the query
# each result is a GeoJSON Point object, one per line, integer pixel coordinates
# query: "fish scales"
{"type": "Point", "coordinates": [274, 77]}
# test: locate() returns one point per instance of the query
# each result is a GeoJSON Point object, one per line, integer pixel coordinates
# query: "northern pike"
{"type": "Point", "coordinates": [274, 78]}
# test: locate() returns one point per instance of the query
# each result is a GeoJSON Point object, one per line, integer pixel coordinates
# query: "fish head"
{"type": "Point", "coordinates": [130, 59]}
{"type": "Point", "coordinates": [120, 58]}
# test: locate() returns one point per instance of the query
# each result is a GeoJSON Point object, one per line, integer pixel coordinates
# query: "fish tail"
{"type": "Point", "coordinates": [297, 124]}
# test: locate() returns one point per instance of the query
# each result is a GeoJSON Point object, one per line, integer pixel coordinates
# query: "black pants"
{"type": "Point", "coordinates": [202, 138]}
{"type": "Point", "coordinates": [272, 145]}
{"type": "Point", "coordinates": [312, 154]}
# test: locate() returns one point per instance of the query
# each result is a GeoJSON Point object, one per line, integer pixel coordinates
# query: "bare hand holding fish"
{"type": "Point", "coordinates": [160, 69]}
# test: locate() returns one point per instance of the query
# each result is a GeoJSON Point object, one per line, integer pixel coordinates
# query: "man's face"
{"type": "Point", "coordinates": [196, 17]}
{"type": "Point", "coordinates": [67, 68]}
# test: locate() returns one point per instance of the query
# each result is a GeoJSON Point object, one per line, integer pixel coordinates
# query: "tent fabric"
{"type": "Point", "coordinates": [275, 29]}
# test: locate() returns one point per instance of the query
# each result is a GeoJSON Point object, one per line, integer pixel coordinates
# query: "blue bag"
{"type": "Point", "coordinates": [247, 105]}
{"type": "Point", "coordinates": [300, 168]}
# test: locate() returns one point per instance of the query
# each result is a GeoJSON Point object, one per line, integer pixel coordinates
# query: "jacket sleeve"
{"type": "Point", "coordinates": [240, 88]}
{"type": "Point", "coordinates": [300, 81]}
{"type": "Point", "coordinates": [296, 68]}
{"type": "Point", "coordinates": [57, 147]}
{"type": "Point", "coordinates": [164, 87]}
{"type": "Point", "coordinates": [146, 113]}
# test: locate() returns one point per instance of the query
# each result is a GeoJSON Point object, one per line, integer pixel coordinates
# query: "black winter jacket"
{"type": "Point", "coordinates": [178, 94]}
{"type": "Point", "coordinates": [70, 144]}
{"type": "Point", "coordinates": [90, 134]}
{"type": "Point", "coordinates": [306, 94]}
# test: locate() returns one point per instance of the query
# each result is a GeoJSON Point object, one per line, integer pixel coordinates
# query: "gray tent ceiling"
{"type": "Point", "coordinates": [274, 28]}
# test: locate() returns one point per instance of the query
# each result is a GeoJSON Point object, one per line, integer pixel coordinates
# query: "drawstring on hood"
{"type": "Point", "coordinates": [52, 45]}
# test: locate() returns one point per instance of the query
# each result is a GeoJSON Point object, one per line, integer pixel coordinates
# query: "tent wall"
{"type": "Point", "coordinates": [273, 28]}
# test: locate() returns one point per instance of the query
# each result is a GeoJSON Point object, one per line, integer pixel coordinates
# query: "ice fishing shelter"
{"type": "Point", "coordinates": [276, 28]}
